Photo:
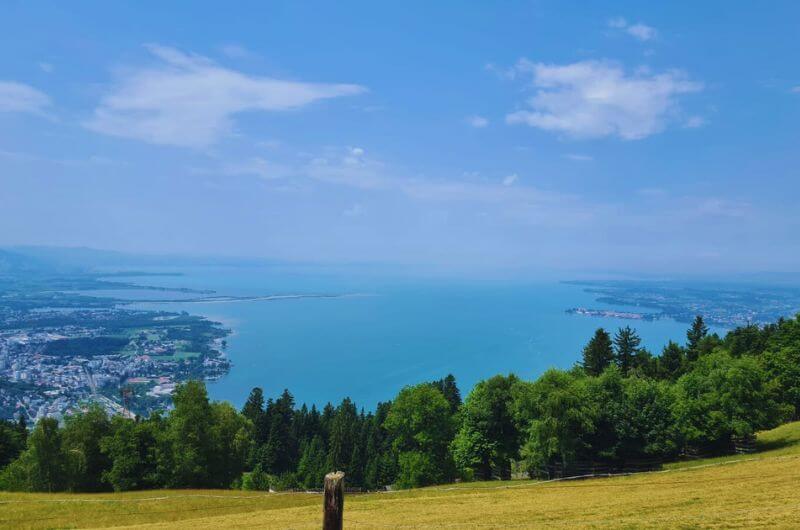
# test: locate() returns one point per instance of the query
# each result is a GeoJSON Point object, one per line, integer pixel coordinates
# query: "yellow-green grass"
{"type": "Point", "coordinates": [761, 490]}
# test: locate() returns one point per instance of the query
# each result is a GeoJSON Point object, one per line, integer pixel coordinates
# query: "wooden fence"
{"type": "Point", "coordinates": [596, 469]}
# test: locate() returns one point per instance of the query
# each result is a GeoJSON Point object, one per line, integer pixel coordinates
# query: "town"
{"type": "Point", "coordinates": [127, 361]}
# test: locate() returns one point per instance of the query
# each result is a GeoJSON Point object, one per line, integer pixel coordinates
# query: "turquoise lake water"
{"type": "Point", "coordinates": [392, 332]}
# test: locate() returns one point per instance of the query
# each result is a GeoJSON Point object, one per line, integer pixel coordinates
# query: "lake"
{"type": "Point", "coordinates": [389, 331]}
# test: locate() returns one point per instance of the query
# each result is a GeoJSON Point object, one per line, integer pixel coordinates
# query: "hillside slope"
{"type": "Point", "coordinates": [761, 490]}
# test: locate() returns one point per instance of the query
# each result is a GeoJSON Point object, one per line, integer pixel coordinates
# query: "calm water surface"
{"type": "Point", "coordinates": [390, 332]}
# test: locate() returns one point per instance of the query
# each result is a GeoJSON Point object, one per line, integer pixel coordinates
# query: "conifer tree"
{"type": "Point", "coordinates": [626, 345]}
{"type": "Point", "coordinates": [342, 436]}
{"type": "Point", "coordinates": [670, 364]}
{"type": "Point", "coordinates": [598, 354]}
{"type": "Point", "coordinates": [449, 390]}
{"type": "Point", "coordinates": [254, 406]}
{"type": "Point", "coordinates": [694, 336]}
{"type": "Point", "coordinates": [22, 429]}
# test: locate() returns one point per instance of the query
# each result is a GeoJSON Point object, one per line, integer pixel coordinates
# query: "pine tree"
{"type": "Point", "coordinates": [626, 344]}
{"type": "Point", "coordinates": [254, 407]}
{"type": "Point", "coordinates": [311, 469]}
{"type": "Point", "coordinates": [694, 336]}
{"type": "Point", "coordinates": [449, 390]}
{"type": "Point", "coordinates": [358, 459]}
{"type": "Point", "coordinates": [343, 434]}
{"type": "Point", "coordinates": [279, 453]}
{"type": "Point", "coordinates": [670, 364]}
{"type": "Point", "coordinates": [22, 427]}
{"type": "Point", "coordinates": [598, 353]}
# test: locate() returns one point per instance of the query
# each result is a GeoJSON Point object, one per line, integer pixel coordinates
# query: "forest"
{"type": "Point", "coordinates": [620, 405]}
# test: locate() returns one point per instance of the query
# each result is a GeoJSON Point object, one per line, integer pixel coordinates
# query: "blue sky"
{"type": "Point", "coordinates": [596, 136]}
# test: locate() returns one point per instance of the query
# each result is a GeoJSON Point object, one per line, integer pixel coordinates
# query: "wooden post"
{"type": "Point", "coordinates": [333, 505]}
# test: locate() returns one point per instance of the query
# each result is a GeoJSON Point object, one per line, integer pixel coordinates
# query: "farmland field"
{"type": "Point", "coordinates": [761, 490]}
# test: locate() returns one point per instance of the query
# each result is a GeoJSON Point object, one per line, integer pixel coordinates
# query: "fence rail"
{"type": "Point", "coordinates": [590, 468]}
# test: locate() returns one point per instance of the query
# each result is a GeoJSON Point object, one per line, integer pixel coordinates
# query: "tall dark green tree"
{"type": "Point", "coordinates": [422, 427]}
{"type": "Point", "coordinates": [671, 361]}
{"type": "Point", "coordinates": [190, 435]}
{"type": "Point", "coordinates": [311, 468]}
{"type": "Point", "coordinates": [11, 442]}
{"type": "Point", "coordinates": [254, 406]}
{"type": "Point", "coordinates": [22, 429]}
{"type": "Point", "coordinates": [133, 449]}
{"type": "Point", "coordinates": [626, 346]}
{"type": "Point", "coordinates": [449, 390]}
{"type": "Point", "coordinates": [694, 336]}
{"type": "Point", "coordinates": [47, 462]}
{"type": "Point", "coordinates": [82, 435]}
{"type": "Point", "coordinates": [598, 354]}
{"type": "Point", "coordinates": [231, 444]}
{"type": "Point", "coordinates": [279, 452]}
{"type": "Point", "coordinates": [488, 438]}
{"type": "Point", "coordinates": [343, 436]}
{"type": "Point", "coordinates": [381, 467]}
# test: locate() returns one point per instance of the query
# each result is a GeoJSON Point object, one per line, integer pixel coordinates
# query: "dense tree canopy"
{"type": "Point", "coordinates": [421, 426]}
{"type": "Point", "coordinates": [619, 406]}
{"type": "Point", "coordinates": [488, 437]}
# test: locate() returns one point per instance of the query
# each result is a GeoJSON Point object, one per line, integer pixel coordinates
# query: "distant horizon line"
{"type": "Point", "coordinates": [79, 252]}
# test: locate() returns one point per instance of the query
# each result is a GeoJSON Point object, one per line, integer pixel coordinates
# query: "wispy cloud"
{"type": "Point", "coordinates": [255, 166]}
{"type": "Point", "coordinates": [189, 100]}
{"type": "Point", "coordinates": [695, 121]}
{"type": "Point", "coordinates": [641, 31]}
{"type": "Point", "coordinates": [479, 122]}
{"type": "Point", "coordinates": [19, 97]}
{"type": "Point", "coordinates": [592, 99]}
{"type": "Point", "coordinates": [46, 67]}
{"type": "Point", "coordinates": [579, 157]}
{"type": "Point", "coordinates": [509, 180]}
{"type": "Point", "coordinates": [526, 204]}
{"type": "Point", "coordinates": [721, 207]}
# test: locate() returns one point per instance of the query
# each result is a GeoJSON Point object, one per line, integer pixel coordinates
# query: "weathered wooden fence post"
{"type": "Point", "coordinates": [333, 507]}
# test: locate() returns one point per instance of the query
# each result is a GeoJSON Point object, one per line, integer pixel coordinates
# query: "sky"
{"type": "Point", "coordinates": [537, 135]}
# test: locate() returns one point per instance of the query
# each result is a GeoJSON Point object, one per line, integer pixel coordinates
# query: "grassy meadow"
{"type": "Point", "coordinates": [745, 491]}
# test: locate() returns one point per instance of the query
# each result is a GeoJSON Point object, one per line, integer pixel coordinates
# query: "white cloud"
{"type": "Point", "coordinates": [721, 207]}
{"type": "Point", "coordinates": [652, 192]}
{"type": "Point", "coordinates": [617, 23]}
{"type": "Point", "coordinates": [526, 203]}
{"type": "Point", "coordinates": [479, 122]}
{"type": "Point", "coordinates": [579, 157]}
{"type": "Point", "coordinates": [354, 156]}
{"type": "Point", "coordinates": [46, 67]}
{"type": "Point", "coordinates": [18, 97]}
{"type": "Point", "coordinates": [592, 99]}
{"type": "Point", "coordinates": [695, 121]}
{"type": "Point", "coordinates": [189, 100]}
{"type": "Point", "coordinates": [248, 167]}
{"type": "Point", "coordinates": [641, 31]}
{"type": "Point", "coordinates": [510, 179]}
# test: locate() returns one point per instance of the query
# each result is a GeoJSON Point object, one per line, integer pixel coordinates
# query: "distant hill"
{"type": "Point", "coordinates": [15, 262]}
{"type": "Point", "coordinates": [85, 258]}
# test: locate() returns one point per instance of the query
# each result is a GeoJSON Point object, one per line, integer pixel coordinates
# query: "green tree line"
{"type": "Point", "coordinates": [620, 404]}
